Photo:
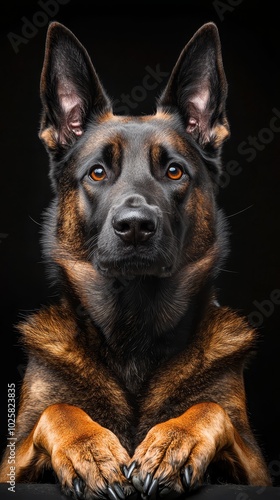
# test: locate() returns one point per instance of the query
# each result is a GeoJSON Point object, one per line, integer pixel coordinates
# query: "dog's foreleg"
{"type": "Point", "coordinates": [177, 453]}
{"type": "Point", "coordinates": [87, 458]}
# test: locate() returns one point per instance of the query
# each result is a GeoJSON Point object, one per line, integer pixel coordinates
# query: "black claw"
{"type": "Point", "coordinates": [187, 476]}
{"type": "Point", "coordinates": [153, 488]}
{"type": "Point", "coordinates": [147, 483]}
{"type": "Point", "coordinates": [79, 487]}
{"type": "Point", "coordinates": [125, 471]}
{"type": "Point", "coordinates": [119, 491]}
{"type": "Point", "coordinates": [111, 493]}
{"type": "Point", "coordinates": [115, 492]}
{"type": "Point", "coordinates": [130, 469]}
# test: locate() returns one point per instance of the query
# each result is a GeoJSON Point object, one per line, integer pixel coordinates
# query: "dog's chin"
{"type": "Point", "coordinates": [133, 268]}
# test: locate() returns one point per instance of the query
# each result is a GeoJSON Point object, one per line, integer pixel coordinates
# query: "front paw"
{"type": "Point", "coordinates": [169, 462]}
{"type": "Point", "coordinates": [91, 467]}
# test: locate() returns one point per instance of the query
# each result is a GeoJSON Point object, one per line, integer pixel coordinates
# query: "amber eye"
{"type": "Point", "coordinates": [97, 173]}
{"type": "Point", "coordinates": [174, 172]}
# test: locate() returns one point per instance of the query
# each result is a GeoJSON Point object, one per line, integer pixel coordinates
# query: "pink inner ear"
{"type": "Point", "coordinates": [74, 121]}
{"type": "Point", "coordinates": [71, 105]}
{"type": "Point", "coordinates": [197, 111]}
{"type": "Point", "coordinates": [192, 124]}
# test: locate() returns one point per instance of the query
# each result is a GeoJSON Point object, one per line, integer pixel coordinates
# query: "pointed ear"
{"type": "Point", "coordinates": [70, 90]}
{"type": "Point", "coordinates": [197, 88]}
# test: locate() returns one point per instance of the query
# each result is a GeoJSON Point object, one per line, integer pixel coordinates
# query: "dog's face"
{"type": "Point", "coordinates": [134, 195]}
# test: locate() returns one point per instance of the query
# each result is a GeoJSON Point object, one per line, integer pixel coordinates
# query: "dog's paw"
{"type": "Point", "coordinates": [91, 467]}
{"type": "Point", "coordinates": [171, 460]}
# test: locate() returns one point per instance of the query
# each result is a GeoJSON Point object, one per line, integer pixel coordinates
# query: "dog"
{"type": "Point", "coordinates": [134, 380]}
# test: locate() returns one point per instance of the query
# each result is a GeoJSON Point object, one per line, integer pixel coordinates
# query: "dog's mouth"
{"type": "Point", "coordinates": [130, 268]}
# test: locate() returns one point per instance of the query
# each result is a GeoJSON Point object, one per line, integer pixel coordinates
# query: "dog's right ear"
{"type": "Point", "coordinates": [71, 91]}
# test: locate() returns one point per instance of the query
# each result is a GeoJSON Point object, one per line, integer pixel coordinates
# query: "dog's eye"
{"type": "Point", "coordinates": [97, 173]}
{"type": "Point", "coordinates": [174, 172]}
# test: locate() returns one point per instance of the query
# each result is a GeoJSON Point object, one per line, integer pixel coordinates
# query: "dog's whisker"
{"type": "Point", "coordinates": [36, 222]}
{"type": "Point", "coordinates": [227, 270]}
{"type": "Point", "coordinates": [239, 212]}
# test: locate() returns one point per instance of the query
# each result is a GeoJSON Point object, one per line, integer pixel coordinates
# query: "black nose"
{"type": "Point", "coordinates": [135, 225]}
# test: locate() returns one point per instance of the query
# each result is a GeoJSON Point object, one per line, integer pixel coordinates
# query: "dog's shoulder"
{"type": "Point", "coordinates": [225, 332]}
{"type": "Point", "coordinates": [52, 329]}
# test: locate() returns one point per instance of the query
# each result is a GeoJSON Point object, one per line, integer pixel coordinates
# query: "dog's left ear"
{"type": "Point", "coordinates": [197, 88]}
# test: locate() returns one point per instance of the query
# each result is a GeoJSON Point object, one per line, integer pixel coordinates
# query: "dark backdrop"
{"type": "Point", "coordinates": [126, 42]}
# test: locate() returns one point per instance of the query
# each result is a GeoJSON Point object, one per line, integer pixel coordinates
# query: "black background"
{"type": "Point", "coordinates": [123, 39]}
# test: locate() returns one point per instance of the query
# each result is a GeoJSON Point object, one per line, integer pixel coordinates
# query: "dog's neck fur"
{"type": "Point", "coordinates": [133, 346]}
{"type": "Point", "coordinates": [122, 311]}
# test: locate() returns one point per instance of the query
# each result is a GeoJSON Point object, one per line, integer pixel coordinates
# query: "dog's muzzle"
{"type": "Point", "coordinates": [131, 240]}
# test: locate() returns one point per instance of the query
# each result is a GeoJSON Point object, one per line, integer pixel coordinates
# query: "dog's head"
{"type": "Point", "coordinates": [133, 195]}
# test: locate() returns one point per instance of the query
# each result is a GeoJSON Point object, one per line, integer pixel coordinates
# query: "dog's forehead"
{"type": "Point", "coordinates": [136, 134]}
